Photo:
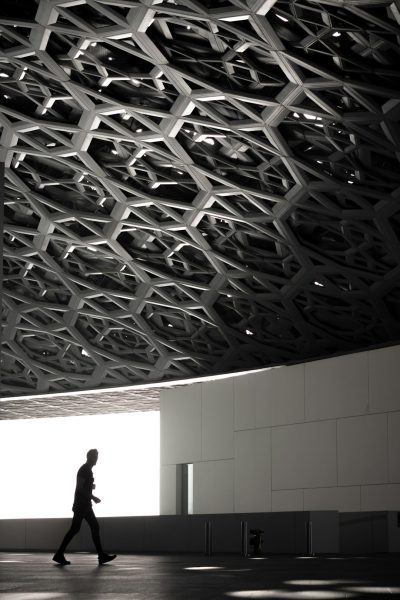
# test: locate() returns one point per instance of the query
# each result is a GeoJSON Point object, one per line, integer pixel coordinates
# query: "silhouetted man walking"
{"type": "Point", "coordinates": [82, 509]}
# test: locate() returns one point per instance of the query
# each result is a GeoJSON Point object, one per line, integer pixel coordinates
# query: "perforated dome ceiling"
{"type": "Point", "coordinates": [196, 187]}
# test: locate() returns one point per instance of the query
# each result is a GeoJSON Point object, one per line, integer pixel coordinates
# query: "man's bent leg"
{"type": "Point", "coordinates": [95, 529]}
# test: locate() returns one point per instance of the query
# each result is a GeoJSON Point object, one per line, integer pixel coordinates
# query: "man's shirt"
{"type": "Point", "coordinates": [83, 495]}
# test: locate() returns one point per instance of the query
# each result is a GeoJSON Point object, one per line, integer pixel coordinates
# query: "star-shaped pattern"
{"type": "Point", "coordinates": [195, 186]}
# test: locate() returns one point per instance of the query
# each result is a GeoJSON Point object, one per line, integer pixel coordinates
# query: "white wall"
{"type": "Point", "coordinates": [323, 435]}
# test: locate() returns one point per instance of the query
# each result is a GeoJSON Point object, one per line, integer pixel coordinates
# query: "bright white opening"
{"type": "Point", "coordinates": [190, 489]}
{"type": "Point", "coordinates": [41, 458]}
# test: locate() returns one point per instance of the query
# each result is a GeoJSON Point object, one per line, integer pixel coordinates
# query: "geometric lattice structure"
{"type": "Point", "coordinates": [81, 404]}
{"type": "Point", "coordinates": [196, 186]}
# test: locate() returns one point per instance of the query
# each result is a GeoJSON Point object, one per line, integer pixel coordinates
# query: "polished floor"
{"type": "Point", "coordinates": [33, 576]}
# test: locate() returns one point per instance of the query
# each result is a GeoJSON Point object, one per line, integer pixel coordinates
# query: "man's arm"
{"type": "Point", "coordinates": [80, 486]}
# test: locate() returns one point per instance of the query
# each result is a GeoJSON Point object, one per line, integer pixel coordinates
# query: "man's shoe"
{"type": "Point", "coordinates": [60, 559]}
{"type": "Point", "coordinates": [105, 558]}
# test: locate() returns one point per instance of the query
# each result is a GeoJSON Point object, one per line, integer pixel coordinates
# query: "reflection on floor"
{"type": "Point", "coordinates": [32, 576]}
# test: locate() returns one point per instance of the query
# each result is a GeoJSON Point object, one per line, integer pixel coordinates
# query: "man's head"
{"type": "Point", "coordinates": [92, 456]}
